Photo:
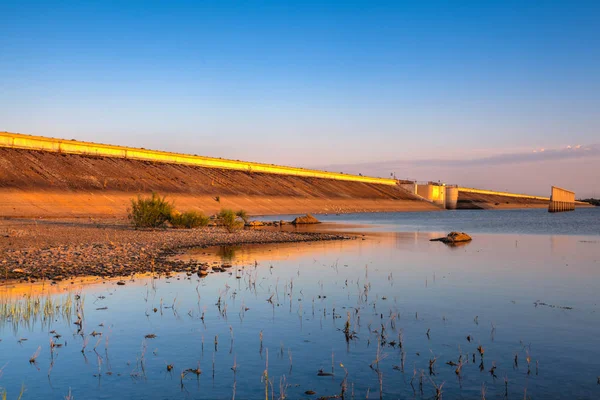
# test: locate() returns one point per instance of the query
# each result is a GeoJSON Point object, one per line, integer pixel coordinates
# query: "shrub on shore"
{"type": "Point", "coordinates": [243, 215]}
{"type": "Point", "coordinates": [155, 211]}
{"type": "Point", "coordinates": [229, 220]}
{"type": "Point", "coordinates": [150, 212]}
{"type": "Point", "coordinates": [592, 201]}
{"type": "Point", "coordinates": [188, 219]}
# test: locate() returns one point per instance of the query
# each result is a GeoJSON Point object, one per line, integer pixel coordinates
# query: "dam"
{"type": "Point", "coordinates": [40, 143]}
{"type": "Point", "coordinates": [452, 197]}
{"type": "Point", "coordinates": [57, 178]}
{"type": "Point", "coordinates": [42, 176]}
{"type": "Point", "coordinates": [561, 200]}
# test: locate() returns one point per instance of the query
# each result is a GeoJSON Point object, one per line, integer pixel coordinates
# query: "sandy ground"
{"type": "Point", "coordinates": [108, 204]}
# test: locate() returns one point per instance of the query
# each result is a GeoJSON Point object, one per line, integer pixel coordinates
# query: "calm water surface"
{"type": "Point", "coordinates": [529, 296]}
{"type": "Point", "coordinates": [582, 221]}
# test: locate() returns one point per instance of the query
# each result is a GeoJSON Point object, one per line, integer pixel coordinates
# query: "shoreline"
{"type": "Point", "coordinates": [34, 250]}
{"type": "Point", "coordinates": [276, 207]}
{"type": "Point", "coordinates": [53, 249]}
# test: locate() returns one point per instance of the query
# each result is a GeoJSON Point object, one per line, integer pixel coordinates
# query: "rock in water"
{"type": "Point", "coordinates": [454, 237]}
{"type": "Point", "coordinates": [307, 219]}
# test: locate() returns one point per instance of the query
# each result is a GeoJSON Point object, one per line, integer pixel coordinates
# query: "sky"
{"type": "Point", "coordinates": [467, 92]}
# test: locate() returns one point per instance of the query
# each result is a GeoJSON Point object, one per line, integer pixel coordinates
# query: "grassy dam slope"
{"type": "Point", "coordinates": [57, 183]}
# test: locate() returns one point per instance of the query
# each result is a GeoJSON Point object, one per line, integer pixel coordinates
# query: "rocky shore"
{"type": "Point", "coordinates": [32, 250]}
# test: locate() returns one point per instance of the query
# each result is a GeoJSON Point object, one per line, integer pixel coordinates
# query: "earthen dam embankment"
{"type": "Point", "coordinates": [59, 183]}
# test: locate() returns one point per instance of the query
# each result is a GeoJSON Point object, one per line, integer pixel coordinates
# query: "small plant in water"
{"type": "Point", "coordinates": [35, 355]}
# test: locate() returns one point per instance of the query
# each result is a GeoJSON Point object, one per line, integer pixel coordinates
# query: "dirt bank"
{"type": "Point", "coordinates": [46, 184]}
{"type": "Point", "coordinates": [31, 249]}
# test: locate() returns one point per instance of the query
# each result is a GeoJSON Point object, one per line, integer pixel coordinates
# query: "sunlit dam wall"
{"type": "Point", "coordinates": [441, 195]}
{"type": "Point", "coordinates": [561, 200]}
{"type": "Point", "coordinates": [30, 142]}
{"type": "Point", "coordinates": [495, 193]}
{"type": "Point", "coordinates": [446, 196]}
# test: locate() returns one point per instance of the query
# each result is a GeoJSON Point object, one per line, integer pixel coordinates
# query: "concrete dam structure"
{"type": "Point", "coordinates": [561, 200]}
{"type": "Point", "coordinates": [451, 197]}
{"type": "Point", "coordinates": [41, 143]}
{"type": "Point", "coordinates": [442, 195]}
{"type": "Point", "coordinates": [47, 177]}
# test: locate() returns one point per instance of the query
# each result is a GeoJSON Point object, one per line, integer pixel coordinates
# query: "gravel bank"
{"type": "Point", "coordinates": [31, 250]}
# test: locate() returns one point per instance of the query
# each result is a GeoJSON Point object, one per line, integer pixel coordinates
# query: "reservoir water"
{"type": "Point", "coordinates": [582, 221]}
{"type": "Point", "coordinates": [513, 314]}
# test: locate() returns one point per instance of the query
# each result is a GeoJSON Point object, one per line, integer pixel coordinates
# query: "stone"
{"type": "Point", "coordinates": [255, 223]}
{"type": "Point", "coordinates": [454, 237]}
{"type": "Point", "coordinates": [307, 219]}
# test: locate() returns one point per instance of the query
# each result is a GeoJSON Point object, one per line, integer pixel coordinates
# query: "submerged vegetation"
{"type": "Point", "coordinates": [4, 393]}
{"type": "Point", "coordinates": [357, 329]}
{"type": "Point", "coordinates": [26, 311]}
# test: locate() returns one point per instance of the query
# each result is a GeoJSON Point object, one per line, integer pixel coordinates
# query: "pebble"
{"type": "Point", "coordinates": [63, 250]}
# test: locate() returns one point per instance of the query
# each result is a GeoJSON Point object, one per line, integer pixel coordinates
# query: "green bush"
{"type": "Point", "coordinates": [150, 212]}
{"type": "Point", "coordinates": [243, 215]}
{"type": "Point", "coordinates": [188, 219]}
{"type": "Point", "coordinates": [229, 220]}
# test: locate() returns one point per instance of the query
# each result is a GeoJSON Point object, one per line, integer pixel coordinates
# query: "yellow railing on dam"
{"type": "Point", "coordinates": [492, 192]}
{"type": "Point", "coordinates": [30, 142]}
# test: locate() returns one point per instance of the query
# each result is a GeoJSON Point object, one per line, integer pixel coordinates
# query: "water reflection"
{"type": "Point", "coordinates": [227, 253]}
{"type": "Point", "coordinates": [393, 314]}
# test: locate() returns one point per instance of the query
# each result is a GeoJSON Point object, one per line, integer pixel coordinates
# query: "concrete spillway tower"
{"type": "Point", "coordinates": [439, 194]}
{"type": "Point", "coordinates": [561, 200]}
{"type": "Point", "coordinates": [451, 197]}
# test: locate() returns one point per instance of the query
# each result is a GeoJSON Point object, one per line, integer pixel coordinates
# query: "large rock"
{"type": "Point", "coordinates": [307, 219]}
{"type": "Point", "coordinates": [454, 237]}
{"type": "Point", "coordinates": [255, 223]}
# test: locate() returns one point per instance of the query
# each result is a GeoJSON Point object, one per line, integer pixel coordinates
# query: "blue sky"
{"type": "Point", "coordinates": [306, 83]}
